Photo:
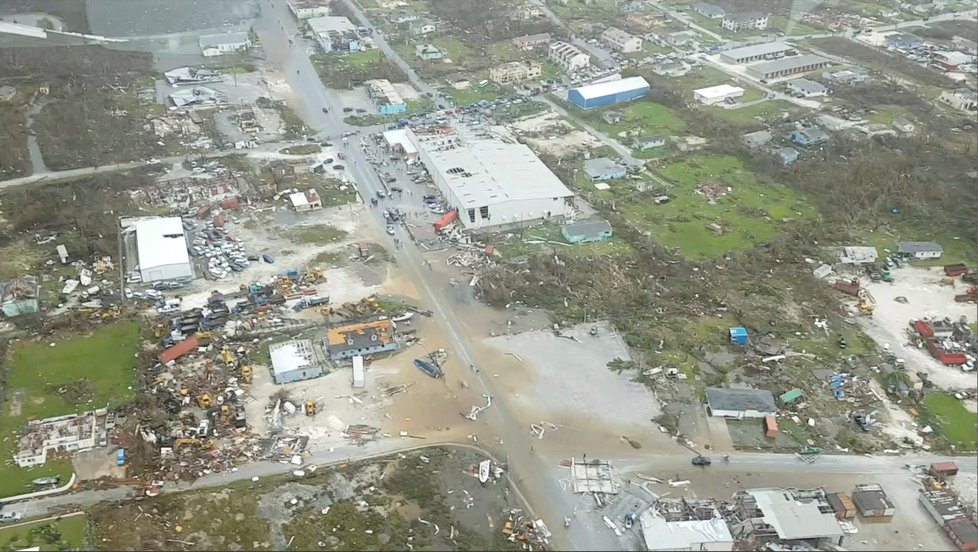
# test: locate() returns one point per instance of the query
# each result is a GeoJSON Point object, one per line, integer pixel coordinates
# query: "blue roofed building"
{"type": "Point", "coordinates": [608, 93]}
{"type": "Point", "coordinates": [809, 137]}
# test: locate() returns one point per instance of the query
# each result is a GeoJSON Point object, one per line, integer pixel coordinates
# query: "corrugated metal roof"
{"type": "Point", "coordinates": [178, 350]}
{"type": "Point", "coordinates": [757, 50]}
{"type": "Point", "coordinates": [161, 242]}
{"type": "Point", "coordinates": [614, 87]}
{"type": "Point", "coordinates": [787, 64]}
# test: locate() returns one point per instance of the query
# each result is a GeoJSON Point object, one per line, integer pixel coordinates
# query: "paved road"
{"type": "Point", "coordinates": [688, 21]}
{"type": "Point", "coordinates": [601, 55]}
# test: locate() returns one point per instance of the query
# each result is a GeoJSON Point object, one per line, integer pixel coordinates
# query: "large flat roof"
{"type": "Point", "coordinates": [486, 170]}
{"type": "Point", "coordinates": [400, 137]}
{"type": "Point", "coordinates": [207, 41]}
{"type": "Point", "coordinates": [787, 63]}
{"type": "Point", "coordinates": [718, 91]}
{"type": "Point", "coordinates": [793, 519]}
{"type": "Point", "coordinates": [331, 23]}
{"type": "Point", "coordinates": [160, 242]}
{"type": "Point", "coordinates": [613, 87]}
{"type": "Point", "coordinates": [291, 355]}
{"type": "Point", "coordinates": [660, 534]}
{"type": "Point", "coordinates": [765, 49]}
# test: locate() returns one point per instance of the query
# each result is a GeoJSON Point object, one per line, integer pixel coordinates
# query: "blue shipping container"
{"type": "Point", "coordinates": [121, 457]}
{"type": "Point", "coordinates": [738, 336]}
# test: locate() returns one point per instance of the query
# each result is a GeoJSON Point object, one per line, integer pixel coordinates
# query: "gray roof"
{"type": "Point", "coordinates": [794, 519]}
{"type": "Point", "coordinates": [788, 153]}
{"type": "Point", "coordinates": [740, 400]}
{"type": "Point", "coordinates": [601, 166]}
{"type": "Point", "coordinates": [587, 228]}
{"type": "Point", "coordinates": [813, 134]}
{"type": "Point", "coordinates": [918, 247]}
{"type": "Point", "coordinates": [705, 8]}
{"type": "Point", "coordinates": [757, 50]}
{"type": "Point", "coordinates": [807, 86]}
{"type": "Point", "coordinates": [759, 138]}
{"type": "Point", "coordinates": [207, 41]}
{"type": "Point", "coordinates": [872, 499]}
{"type": "Point", "coordinates": [787, 63]}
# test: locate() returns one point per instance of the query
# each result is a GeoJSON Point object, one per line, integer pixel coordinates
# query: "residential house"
{"type": "Point", "coordinates": [604, 168]}
{"type": "Point", "coordinates": [7, 93]}
{"type": "Point", "coordinates": [621, 41]}
{"type": "Point", "coordinates": [680, 38]}
{"type": "Point", "coordinates": [744, 22]}
{"type": "Point", "coordinates": [526, 12]}
{"type": "Point", "coordinates": [515, 72]}
{"type": "Point", "coordinates": [858, 255]}
{"type": "Point", "coordinates": [568, 57]}
{"type": "Point", "coordinates": [756, 139]}
{"type": "Point", "coordinates": [428, 52]}
{"type": "Point", "coordinates": [458, 81]}
{"type": "Point", "coordinates": [962, 98]}
{"type": "Point", "coordinates": [586, 231]}
{"type": "Point", "coordinates": [670, 68]}
{"type": "Point", "coordinates": [920, 251]}
{"type": "Point", "coordinates": [649, 142]}
{"type": "Point", "coordinates": [809, 137]}
{"type": "Point", "coordinates": [361, 339]}
{"type": "Point", "coordinates": [294, 361]}
{"type": "Point", "coordinates": [528, 42]}
{"type": "Point", "coordinates": [788, 156]}
{"type": "Point", "coordinates": [806, 88]}
{"type": "Point", "coordinates": [698, 531]}
{"type": "Point", "coordinates": [904, 125]}
{"type": "Point", "coordinates": [709, 10]}
{"type": "Point", "coordinates": [20, 296]}
{"type": "Point", "coordinates": [422, 27]}
{"type": "Point", "coordinates": [220, 44]}
{"type": "Point", "coordinates": [385, 97]}
{"type": "Point", "coordinates": [400, 18]}
{"type": "Point", "coordinates": [308, 200]}
{"type": "Point", "coordinates": [740, 403]}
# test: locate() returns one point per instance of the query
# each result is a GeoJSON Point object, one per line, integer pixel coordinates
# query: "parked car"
{"type": "Point", "coordinates": [268, 259]}
{"type": "Point", "coordinates": [11, 517]}
{"type": "Point", "coordinates": [325, 110]}
{"type": "Point", "coordinates": [701, 461]}
{"type": "Point", "coordinates": [347, 110]}
{"type": "Point", "coordinates": [390, 229]}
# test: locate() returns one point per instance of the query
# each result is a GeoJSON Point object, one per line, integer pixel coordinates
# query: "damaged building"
{"type": "Point", "coordinates": [294, 361]}
{"type": "Point", "coordinates": [61, 434]}
{"type": "Point", "coordinates": [20, 296]}
{"type": "Point", "coordinates": [786, 516]}
{"type": "Point", "coordinates": [685, 525]}
{"type": "Point", "coordinates": [361, 339]}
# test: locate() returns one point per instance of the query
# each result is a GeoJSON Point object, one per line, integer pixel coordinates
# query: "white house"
{"type": "Point", "coordinates": [857, 255]}
{"type": "Point", "coordinates": [744, 22]}
{"type": "Point", "coordinates": [569, 57]}
{"type": "Point", "coordinates": [618, 39]}
{"type": "Point", "coordinates": [807, 88]}
{"type": "Point", "coordinates": [305, 9]}
{"type": "Point", "coordinates": [221, 44]}
{"type": "Point", "coordinates": [920, 251]}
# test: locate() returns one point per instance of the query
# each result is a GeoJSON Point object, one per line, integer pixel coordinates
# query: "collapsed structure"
{"type": "Point", "coordinates": [61, 434]}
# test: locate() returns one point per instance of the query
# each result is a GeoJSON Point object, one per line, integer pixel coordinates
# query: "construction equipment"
{"type": "Point", "coordinates": [225, 412]}
{"type": "Point", "coordinates": [228, 357]}
{"type": "Point", "coordinates": [205, 401]}
{"type": "Point", "coordinates": [314, 276]}
{"type": "Point", "coordinates": [204, 338]}
{"type": "Point", "coordinates": [865, 307]}
{"type": "Point", "coordinates": [186, 442]}
{"type": "Point", "coordinates": [311, 407]}
{"type": "Point", "coordinates": [247, 373]}
{"type": "Point", "coordinates": [160, 330]}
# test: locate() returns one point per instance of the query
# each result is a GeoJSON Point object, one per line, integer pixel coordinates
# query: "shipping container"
{"type": "Point", "coordinates": [842, 505]}
{"type": "Point", "coordinates": [871, 501]}
{"type": "Point", "coordinates": [955, 270]}
{"type": "Point", "coordinates": [944, 469]}
{"type": "Point", "coordinates": [770, 427]}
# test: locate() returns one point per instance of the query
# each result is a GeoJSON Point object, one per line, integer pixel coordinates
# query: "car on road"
{"type": "Point", "coordinates": [268, 259]}
{"type": "Point", "coordinates": [390, 229]}
{"type": "Point", "coordinates": [347, 110]}
{"type": "Point", "coordinates": [396, 189]}
{"type": "Point", "coordinates": [381, 194]}
{"type": "Point", "coordinates": [11, 517]}
{"type": "Point", "coordinates": [325, 110]}
{"type": "Point", "coordinates": [337, 167]}
{"type": "Point", "coordinates": [702, 461]}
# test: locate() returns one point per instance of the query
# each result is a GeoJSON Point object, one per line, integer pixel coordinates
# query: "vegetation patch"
{"type": "Point", "coordinates": [349, 70]}
{"type": "Point", "coordinates": [955, 422]}
{"type": "Point", "coordinates": [60, 534]}
{"type": "Point", "coordinates": [319, 234]}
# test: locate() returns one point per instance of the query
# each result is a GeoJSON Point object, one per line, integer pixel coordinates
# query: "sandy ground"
{"type": "Point", "coordinates": [926, 298]}
{"type": "Point", "coordinates": [558, 136]}
{"type": "Point", "coordinates": [567, 381]}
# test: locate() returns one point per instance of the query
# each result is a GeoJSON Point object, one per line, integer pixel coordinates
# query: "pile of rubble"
{"type": "Point", "coordinates": [950, 342]}
{"type": "Point", "coordinates": [530, 534]}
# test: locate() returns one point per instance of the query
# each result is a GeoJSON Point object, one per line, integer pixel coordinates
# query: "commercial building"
{"type": "Point", "coordinates": [920, 251]}
{"type": "Point", "coordinates": [304, 9]}
{"type": "Point", "coordinates": [740, 403]}
{"type": "Point", "coordinates": [195, 97]}
{"type": "Point", "coordinates": [807, 88]}
{"type": "Point", "coordinates": [962, 98]}
{"type": "Point", "coordinates": [568, 57]}
{"type": "Point", "coordinates": [191, 75]}
{"type": "Point", "coordinates": [490, 179]}
{"type": "Point", "coordinates": [334, 33]}
{"type": "Point", "coordinates": [692, 534]}
{"type": "Point", "coordinates": [709, 10]}
{"type": "Point", "coordinates": [717, 94]}
{"type": "Point", "coordinates": [736, 23]}
{"type": "Point", "coordinates": [948, 511]}
{"type": "Point", "coordinates": [385, 97]}
{"type": "Point", "coordinates": [308, 200]}
{"type": "Point", "coordinates": [398, 141]}
{"type": "Point", "coordinates": [294, 361]}
{"type": "Point", "coordinates": [587, 231]}
{"type": "Point", "coordinates": [603, 168]}
{"type": "Point", "coordinates": [618, 39]}
{"type": "Point", "coordinates": [20, 296]}
{"type": "Point", "coordinates": [515, 72]}
{"type": "Point", "coordinates": [949, 61]}
{"type": "Point", "coordinates": [221, 44]}
{"type": "Point", "coordinates": [757, 52]}
{"type": "Point", "coordinates": [788, 66]}
{"type": "Point", "coordinates": [787, 516]}
{"type": "Point", "coordinates": [528, 42]}
{"type": "Point", "coordinates": [608, 93]}
{"type": "Point", "coordinates": [361, 339]}
{"type": "Point", "coordinates": [871, 501]}
{"type": "Point", "coordinates": [858, 255]}
{"type": "Point", "coordinates": [428, 52]}
{"type": "Point", "coordinates": [61, 434]}
{"type": "Point", "coordinates": [849, 77]}
{"type": "Point", "coordinates": [161, 248]}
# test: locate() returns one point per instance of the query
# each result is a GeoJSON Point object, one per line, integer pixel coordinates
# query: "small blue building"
{"type": "Point", "coordinates": [738, 336]}
{"type": "Point", "coordinates": [608, 93]}
{"type": "Point", "coordinates": [808, 137]}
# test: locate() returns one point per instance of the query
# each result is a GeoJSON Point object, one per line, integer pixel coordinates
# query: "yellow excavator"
{"type": "Point", "coordinates": [204, 338]}
{"type": "Point", "coordinates": [865, 307]}
{"type": "Point", "coordinates": [247, 374]}
{"type": "Point", "coordinates": [228, 357]}
{"type": "Point", "coordinates": [311, 408]}
{"type": "Point", "coordinates": [205, 401]}
{"type": "Point", "coordinates": [186, 442]}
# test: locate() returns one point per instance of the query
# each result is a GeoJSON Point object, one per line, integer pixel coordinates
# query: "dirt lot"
{"type": "Point", "coordinates": [550, 134]}
{"type": "Point", "coordinates": [926, 297]}
{"type": "Point", "coordinates": [391, 503]}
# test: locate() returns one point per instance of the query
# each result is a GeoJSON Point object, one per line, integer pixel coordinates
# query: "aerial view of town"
{"type": "Point", "coordinates": [519, 275]}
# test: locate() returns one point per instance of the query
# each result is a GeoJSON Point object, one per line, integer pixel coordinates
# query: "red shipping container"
{"type": "Point", "coordinates": [770, 427]}
{"type": "Point", "coordinates": [231, 203]}
{"type": "Point", "coordinates": [219, 221]}
{"type": "Point", "coordinates": [447, 219]}
{"type": "Point", "coordinates": [955, 270]}
{"type": "Point", "coordinates": [178, 350]}
{"type": "Point", "coordinates": [923, 328]}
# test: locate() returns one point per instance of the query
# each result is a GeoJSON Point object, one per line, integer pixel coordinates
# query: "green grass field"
{"type": "Point", "coordinates": [64, 534]}
{"type": "Point", "coordinates": [749, 214]}
{"type": "Point", "coordinates": [754, 115]}
{"type": "Point", "coordinates": [320, 234]}
{"type": "Point", "coordinates": [78, 374]}
{"type": "Point", "coordinates": [639, 119]}
{"type": "Point", "coordinates": [956, 424]}
{"type": "Point", "coordinates": [475, 93]}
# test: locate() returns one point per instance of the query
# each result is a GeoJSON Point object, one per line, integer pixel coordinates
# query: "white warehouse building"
{"type": "Point", "coordinates": [716, 94]}
{"type": "Point", "coordinates": [491, 179]}
{"type": "Point", "coordinates": [161, 248]}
